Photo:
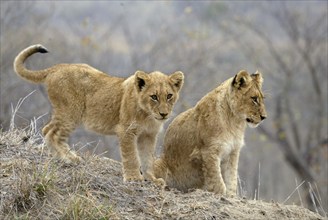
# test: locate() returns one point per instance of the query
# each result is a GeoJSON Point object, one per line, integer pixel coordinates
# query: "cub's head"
{"type": "Point", "coordinates": [157, 92]}
{"type": "Point", "coordinates": [246, 97]}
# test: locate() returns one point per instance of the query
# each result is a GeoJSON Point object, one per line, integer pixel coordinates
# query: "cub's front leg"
{"type": "Point", "coordinates": [230, 172]}
{"type": "Point", "coordinates": [128, 145]}
{"type": "Point", "coordinates": [213, 180]}
{"type": "Point", "coordinates": [146, 147]}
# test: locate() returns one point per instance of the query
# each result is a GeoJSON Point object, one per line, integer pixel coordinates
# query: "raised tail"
{"type": "Point", "coordinates": [36, 76]}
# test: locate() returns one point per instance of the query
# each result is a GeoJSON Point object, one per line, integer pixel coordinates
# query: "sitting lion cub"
{"type": "Point", "coordinates": [134, 108]}
{"type": "Point", "coordinates": [202, 144]}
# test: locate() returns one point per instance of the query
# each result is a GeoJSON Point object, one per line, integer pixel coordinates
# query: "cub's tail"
{"type": "Point", "coordinates": [36, 76]}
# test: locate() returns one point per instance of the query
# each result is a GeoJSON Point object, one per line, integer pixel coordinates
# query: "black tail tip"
{"type": "Point", "coordinates": [42, 49]}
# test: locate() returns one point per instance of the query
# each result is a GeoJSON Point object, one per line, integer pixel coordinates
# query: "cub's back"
{"type": "Point", "coordinates": [180, 137]}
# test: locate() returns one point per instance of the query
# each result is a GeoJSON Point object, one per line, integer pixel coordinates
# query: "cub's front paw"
{"type": "Point", "coordinates": [150, 176]}
{"type": "Point", "coordinates": [159, 182]}
{"type": "Point", "coordinates": [130, 177]}
{"type": "Point", "coordinates": [231, 193]}
{"type": "Point", "coordinates": [217, 188]}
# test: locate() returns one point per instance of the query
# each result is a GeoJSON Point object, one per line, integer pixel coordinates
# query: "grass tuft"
{"type": "Point", "coordinates": [87, 207]}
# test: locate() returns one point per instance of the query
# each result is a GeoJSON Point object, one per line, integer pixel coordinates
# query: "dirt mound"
{"type": "Point", "coordinates": [35, 186]}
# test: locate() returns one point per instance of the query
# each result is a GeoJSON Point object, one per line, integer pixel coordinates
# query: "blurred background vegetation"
{"type": "Point", "coordinates": [210, 42]}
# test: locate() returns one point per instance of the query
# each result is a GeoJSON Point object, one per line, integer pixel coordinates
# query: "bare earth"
{"type": "Point", "coordinates": [34, 186]}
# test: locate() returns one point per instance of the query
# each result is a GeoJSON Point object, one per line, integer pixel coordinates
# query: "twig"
{"type": "Point", "coordinates": [299, 194]}
{"type": "Point", "coordinates": [15, 110]}
{"type": "Point", "coordinates": [316, 196]}
{"type": "Point", "coordinates": [311, 192]}
{"type": "Point", "coordinates": [259, 182]}
{"type": "Point", "coordinates": [294, 191]}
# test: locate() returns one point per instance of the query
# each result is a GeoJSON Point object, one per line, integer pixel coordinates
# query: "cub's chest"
{"type": "Point", "coordinates": [151, 125]}
{"type": "Point", "coordinates": [226, 146]}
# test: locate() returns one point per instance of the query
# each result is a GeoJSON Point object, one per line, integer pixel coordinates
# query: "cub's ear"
{"type": "Point", "coordinates": [141, 80]}
{"type": "Point", "coordinates": [257, 76]}
{"type": "Point", "coordinates": [178, 79]}
{"type": "Point", "coordinates": [241, 80]}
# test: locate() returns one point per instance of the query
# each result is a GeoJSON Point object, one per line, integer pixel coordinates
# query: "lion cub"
{"type": "Point", "coordinates": [202, 144]}
{"type": "Point", "coordinates": [134, 108]}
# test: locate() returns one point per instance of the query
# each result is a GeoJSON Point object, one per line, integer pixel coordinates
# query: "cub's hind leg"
{"type": "Point", "coordinates": [160, 168]}
{"type": "Point", "coordinates": [56, 134]}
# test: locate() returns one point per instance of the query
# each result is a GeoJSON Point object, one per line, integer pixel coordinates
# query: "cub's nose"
{"type": "Point", "coordinates": [163, 114]}
{"type": "Point", "coordinates": [263, 117]}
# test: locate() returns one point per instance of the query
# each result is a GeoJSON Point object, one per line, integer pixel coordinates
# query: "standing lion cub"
{"type": "Point", "coordinates": [134, 108]}
{"type": "Point", "coordinates": [202, 144]}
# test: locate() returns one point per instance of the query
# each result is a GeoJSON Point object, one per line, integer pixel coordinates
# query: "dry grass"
{"type": "Point", "coordinates": [35, 186]}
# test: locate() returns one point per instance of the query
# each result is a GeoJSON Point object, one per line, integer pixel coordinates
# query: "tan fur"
{"type": "Point", "coordinates": [202, 144]}
{"type": "Point", "coordinates": [134, 109]}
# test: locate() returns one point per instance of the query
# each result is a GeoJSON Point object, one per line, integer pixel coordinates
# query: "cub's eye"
{"type": "Point", "coordinates": [154, 97]}
{"type": "Point", "coordinates": [169, 96]}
